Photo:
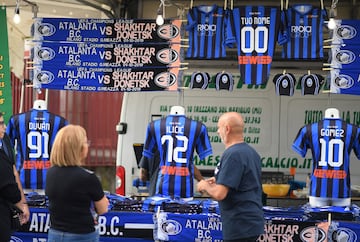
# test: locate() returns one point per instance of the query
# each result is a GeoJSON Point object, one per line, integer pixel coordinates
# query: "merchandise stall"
{"type": "Point", "coordinates": [115, 63]}
{"type": "Point", "coordinates": [199, 220]}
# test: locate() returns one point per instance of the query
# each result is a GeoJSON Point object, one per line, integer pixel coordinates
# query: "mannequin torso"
{"type": "Point", "coordinates": [40, 105]}
{"type": "Point", "coordinates": [177, 110]}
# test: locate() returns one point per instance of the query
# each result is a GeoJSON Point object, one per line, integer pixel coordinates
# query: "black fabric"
{"type": "Point", "coordinates": [9, 191]}
{"type": "Point", "coordinates": [71, 191]}
{"type": "Point", "coordinates": [15, 213]}
{"type": "Point", "coordinates": [9, 148]}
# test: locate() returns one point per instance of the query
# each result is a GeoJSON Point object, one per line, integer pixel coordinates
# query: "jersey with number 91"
{"type": "Point", "coordinates": [34, 133]}
{"type": "Point", "coordinates": [330, 141]}
{"type": "Point", "coordinates": [176, 137]}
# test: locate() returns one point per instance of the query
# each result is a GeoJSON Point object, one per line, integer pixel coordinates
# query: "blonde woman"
{"type": "Point", "coordinates": [73, 192]}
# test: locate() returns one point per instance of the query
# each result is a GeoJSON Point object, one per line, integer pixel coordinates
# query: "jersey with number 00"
{"type": "Point", "coordinates": [305, 25]}
{"type": "Point", "coordinates": [176, 137]}
{"type": "Point", "coordinates": [255, 30]}
{"type": "Point", "coordinates": [34, 133]}
{"type": "Point", "coordinates": [331, 142]}
{"type": "Point", "coordinates": [206, 32]}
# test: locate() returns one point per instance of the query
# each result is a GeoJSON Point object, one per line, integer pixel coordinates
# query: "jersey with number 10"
{"type": "Point", "coordinates": [330, 141]}
{"type": "Point", "coordinates": [34, 132]}
{"type": "Point", "coordinates": [255, 30]}
{"type": "Point", "coordinates": [176, 137]}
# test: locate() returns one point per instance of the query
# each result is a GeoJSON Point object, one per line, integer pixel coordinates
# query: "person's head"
{"type": "Point", "coordinates": [231, 128]}
{"type": "Point", "coordinates": [2, 125]}
{"type": "Point", "coordinates": [70, 146]}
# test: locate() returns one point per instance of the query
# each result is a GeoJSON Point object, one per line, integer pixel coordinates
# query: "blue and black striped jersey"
{"type": "Point", "coordinates": [176, 137]}
{"type": "Point", "coordinates": [305, 24]}
{"type": "Point", "coordinates": [34, 133]}
{"type": "Point", "coordinates": [206, 32]}
{"type": "Point", "coordinates": [255, 31]}
{"type": "Point", "coordinates": [330, 142]}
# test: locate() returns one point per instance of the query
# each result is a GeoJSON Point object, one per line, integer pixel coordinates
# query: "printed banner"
{"type": "Point", "coordinates": [296, 231]}
{"type": "Point", "coordinates": [345, 57]}
{"type": "Point", "coordinates": [106, 30]}
{"type": "Point", "coordinates": [48, 55]}
{"type": "Point", "coordinates": [107, 79]}
{"type": "Point", "coordinates": [182, 227]}
{"type": "Point", "coordinates": [346, 32]}
{"type": "Point", "coordinates": [112, 226]}
{"type": "Point", "coordinates": [345, 81]}
{"type": "Point", "coordinates": [5, 82]}
{"type": "Point", "coordinates": [145, 226]}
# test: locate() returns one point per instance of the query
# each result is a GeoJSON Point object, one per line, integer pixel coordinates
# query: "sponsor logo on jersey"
{"type": "Point", "coordinates": [165, 79]}
{"type": "Point", "coordinates": [171, 227]}
{"type": "Point", "coordinates": [301, 31]}
{"type": "Point", "coordinates": [346, 32]}
{"type": "Point", "coordinates": [167, 56]}
{"type": "Point", "coordinates": [45, 53]}
{"type": "Point", "coordinates": [46, 29]}
{"type": "Point", "coordinates": [37, 165]}
{"type": "Point", "coordinates": [168, 31]}
{"type": "Point", "coordinates": [175, 170]}
{"type": "Point", "coordinates": [45, 77]}
{"type": "Point", "coordinates": [265, 59]}
{"type": "Point", "coordinates": [331, 174]}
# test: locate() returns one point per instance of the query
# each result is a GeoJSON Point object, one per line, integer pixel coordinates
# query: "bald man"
{"type": "Point", "coordinates": [237, 183]}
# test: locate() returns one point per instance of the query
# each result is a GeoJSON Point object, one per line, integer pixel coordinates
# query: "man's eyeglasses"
{"type": "Point", "coordinates": [2, 123]}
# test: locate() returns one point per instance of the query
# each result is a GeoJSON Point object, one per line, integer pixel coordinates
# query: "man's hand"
{"type": "Point", "coordinates": [25, 216]}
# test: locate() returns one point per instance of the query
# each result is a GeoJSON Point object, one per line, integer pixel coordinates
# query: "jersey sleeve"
{"type": "Point", "coordinates": [357, 144]}
{"type": "Point", "coordinates": [190, 20]}
{"type": "Point", "coordinates": [149, 142]}
{"type": "Point", "coordinates": [11, 130]}
{"type": "Point", "coordinates": [299, 144]}
{"type": "Point", "coordinates": [230, 33]}
{"type": "Point", "coordinates": [283, 35]}
{"type": "Point", "coordinates": [203, 147]}
{"type": "Point", "coordinates": [96, 190]}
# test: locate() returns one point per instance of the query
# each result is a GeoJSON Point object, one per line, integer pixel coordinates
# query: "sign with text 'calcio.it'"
{"type": "Point", "coordinates": [106, 55]}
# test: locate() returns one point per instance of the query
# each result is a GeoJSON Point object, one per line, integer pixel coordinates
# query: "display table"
{"type": "Point", "coordinates": [283, 225]}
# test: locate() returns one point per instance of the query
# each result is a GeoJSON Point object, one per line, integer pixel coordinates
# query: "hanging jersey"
{"type": "Point", "coordinates": [34, 133]}
{"type": "Point", "coordinates": [224, 81]}
{"type": "Point", "coordinates": [346, 32]}
{"type": "Point", "coordinates": [284, 84]}
{"type": "Point", "coordinates": [330, 142]}
{"type": "Point", "coordinates": [176, 137]}
{"type": "Point", "coordinates": [346, 56]}
{"type": "Point", "coordinates": [305, 25]}
{"type": "Point", "coordinates": [254, 30]}
{"type": "Point", "coordinates": [206, 32]}
{"type": "Point", "coordinates": [311, 84]}
{"type": "Point", "coordinates": [345, 81]}
{"type": "Point", "coordinates": [199, 79]}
